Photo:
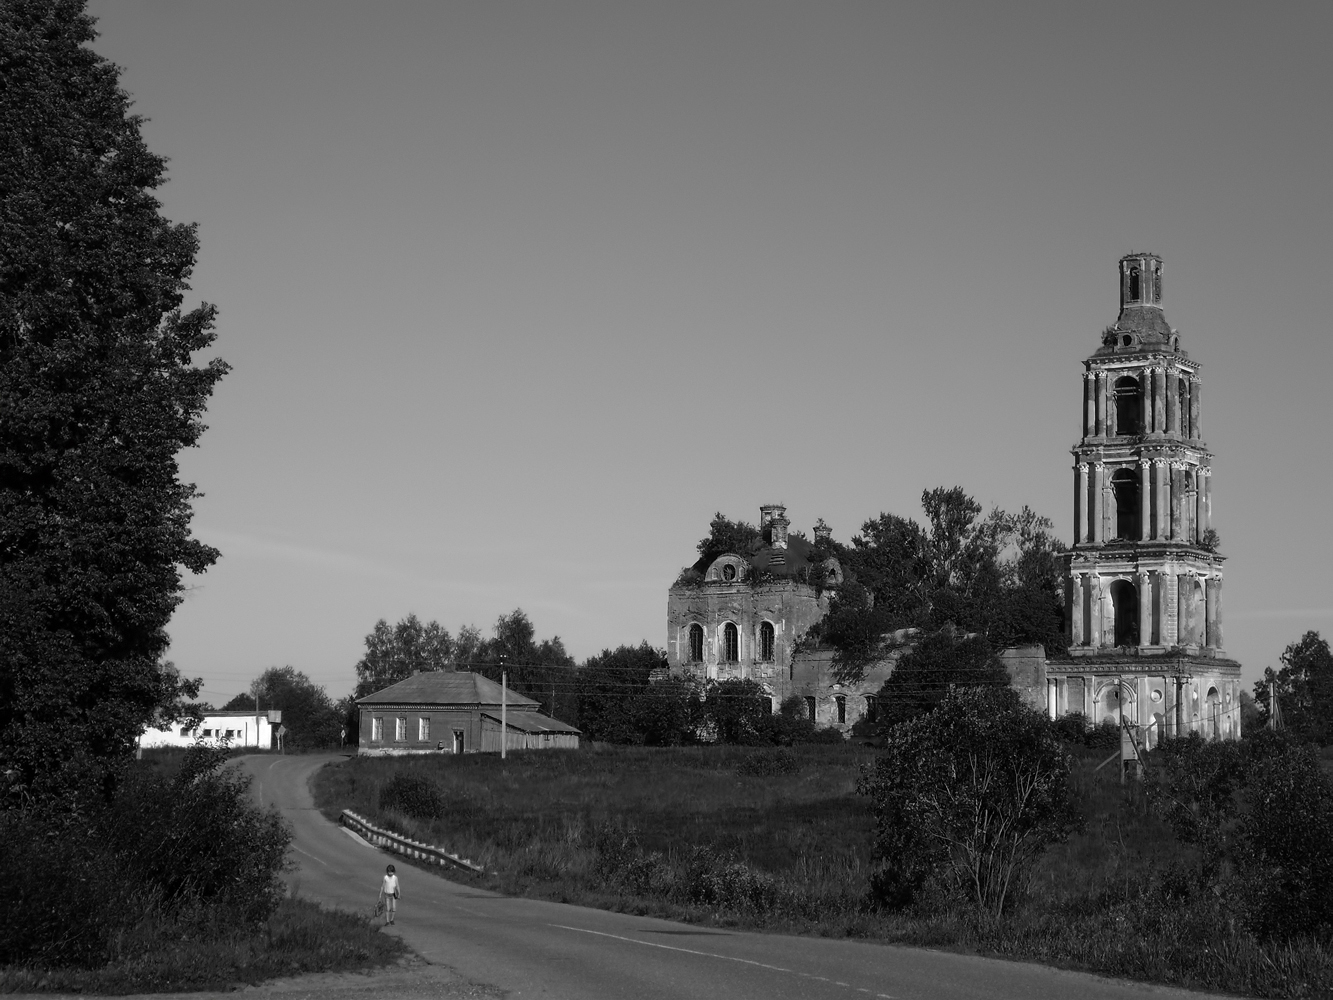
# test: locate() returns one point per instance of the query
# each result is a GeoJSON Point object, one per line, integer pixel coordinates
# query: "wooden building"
{"type": "Point", "coordinates": [447, 711]}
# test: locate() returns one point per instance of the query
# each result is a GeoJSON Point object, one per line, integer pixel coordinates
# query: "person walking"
{"type": "Point", "coordinates": [389, 894]}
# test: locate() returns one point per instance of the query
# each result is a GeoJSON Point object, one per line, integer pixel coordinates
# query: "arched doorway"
{"type": "Point", "coordinates": [1125, 602]}
{"type": "Point", "coordinates": [1108, 704]}
{"type": "Point", "coordinates": [1212, 719]}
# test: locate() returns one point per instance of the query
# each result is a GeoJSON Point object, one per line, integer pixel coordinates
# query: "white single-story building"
{"type": "Point", "coordinates": [238, 729]}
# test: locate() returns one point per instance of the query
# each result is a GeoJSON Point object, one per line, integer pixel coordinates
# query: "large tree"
{"type": "Point", "coordinates": [995, 574]}
{"type": "Point", "coordinates": [394, 653]}
{"type": "Point", "coordinates": [1304, 687]}
{"type": "Point", "coordinates": [98, 393]}
{"type": "Point", "coordinates": [308, 714]}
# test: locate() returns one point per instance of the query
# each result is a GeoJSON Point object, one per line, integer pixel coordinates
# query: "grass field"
{"type": "Point", "coordinates": [721, 835]}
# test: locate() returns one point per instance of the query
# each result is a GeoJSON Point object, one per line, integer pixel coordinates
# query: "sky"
{"type": "Point", "coordinates": [517, 295]}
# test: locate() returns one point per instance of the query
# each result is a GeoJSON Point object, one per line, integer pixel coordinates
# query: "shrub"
{"type": "Point", "coordinates": [81, 873]}
{"type": "Point", "coordinates": [412, 794]}
{"type": "Point", "coordinates": [970, 793]}
{"type": "Point", "coordinates": [1261, 813]}
{"type": "Point", "coordinates": [725, 882]}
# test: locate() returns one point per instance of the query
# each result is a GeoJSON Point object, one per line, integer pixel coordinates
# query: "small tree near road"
{"type": "Point", "coordinates": [970, 794]}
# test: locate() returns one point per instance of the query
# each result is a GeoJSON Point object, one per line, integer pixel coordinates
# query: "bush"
{"type": "Point", "coordinates": [1261, 813]}
{"type": "Point", "coordinates": [412, 794]}
{"type": "Point", "coordinates": [969, 794]}
{"type": "Point", "coordinates": [80, 873]}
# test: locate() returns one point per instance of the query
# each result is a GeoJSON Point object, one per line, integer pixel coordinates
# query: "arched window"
{"type": "Point", "coordinates": [1125, 600]}
{"type": "Point", "coordinates": [696, 643]}
{"type": "Point", "coordinates": [1125, 486]}
{"type": "Point", "coordinates": [810, 708]}
{"type": "Point", "coordinates": [1128, 405]}
{"type": "Point", "coordinates": [841, 704]}
{"type": "Point", "coordinates": [730, 644]}
{"type": "Point", "coordinates": [766, 642]}
{"type": "Point", "coordinates": [1133, 284]}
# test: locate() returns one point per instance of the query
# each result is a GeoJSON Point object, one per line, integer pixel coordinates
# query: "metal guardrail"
{"type": "Point", "coordinates": [402, 845]}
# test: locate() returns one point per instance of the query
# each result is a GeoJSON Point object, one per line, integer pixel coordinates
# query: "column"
{"type": "Point", "coordinates": [1161, 493]}
{"type": "Point", "coordinates": [1089, 708]}
{"type": "Point", "coordinates": [1094, 611]}
{"type": "Point", "coordinates": [1172, 402]}
{"type": "Point", "coordinates": [1177, 474]}
{"type": "Point", "coordinates": [1100, 428]}
{"type": "Point", "coordinates": [1145, 500]}
{"type": "Point", "coordinates": [1077, 622]}
{"type": "Point", "coordinates": [1158, 401]}
{"type": "Point", "coordinates": [1163, 637]}
{"type": "Point", "coordinates": [1089, 405]}
{"type": "Point", "coordinates": [1145, 401]}
{"type": "Point", "coordinates": [1196, 388]}
{"type": "Point", "coordinates": [1199, 504]}
{"type": "Point", "coordinates": [1212, 592]}
{"type": "Point", "coordinates": [1207, 499]}
{"type": "Point", "coordinates": [1145, 608]}
{"type": "Point", "coordinates": [1099, 504]}
{"type": "Point", "coordinates": [1080, 503]}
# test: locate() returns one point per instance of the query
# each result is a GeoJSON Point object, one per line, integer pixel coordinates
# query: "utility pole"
{"type": "Point", "coordinates": [504, 708]}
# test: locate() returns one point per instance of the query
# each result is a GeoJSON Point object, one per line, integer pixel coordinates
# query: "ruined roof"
{"type": "Point", "coordinates": [784, 562]}
{"type": "Point", "coordinates": [446, 687]}
{"type": "Point", "coordinates": [1146, 329]}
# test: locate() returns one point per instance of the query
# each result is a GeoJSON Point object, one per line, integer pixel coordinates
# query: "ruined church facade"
{"type": "Point", "coordinates": [1143, 586]}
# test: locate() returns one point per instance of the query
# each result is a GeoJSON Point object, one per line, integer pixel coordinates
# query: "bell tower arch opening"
{"type": "Point", "coordinates": [1128, 405]}
{"type": "Point", "coordinates": [1125, 602]}
{"type": "Point", "coordinates": [1125, 488]}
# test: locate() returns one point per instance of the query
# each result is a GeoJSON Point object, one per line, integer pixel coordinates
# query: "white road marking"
{"type": "Point", "coordinates": [311, 856]}
{"type": "Point", "coordinates": [712, 954]}
{"type": "Point", "coordinates": [671, 947]}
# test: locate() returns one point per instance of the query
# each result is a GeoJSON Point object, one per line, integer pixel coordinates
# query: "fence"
{"type": "Point", "coordinates": [402, 845]}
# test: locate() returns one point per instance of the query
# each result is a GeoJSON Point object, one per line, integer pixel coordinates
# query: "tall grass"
{"type": "Point", "coordinates": [162, 954]}
{"type": "Point", "coordinates": [722, 835]}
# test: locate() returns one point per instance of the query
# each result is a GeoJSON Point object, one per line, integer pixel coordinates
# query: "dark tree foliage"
{"type": "Point", "coordinates": [968, 795]}
{"type": "Point", "coordinates": [739, 711]}
{"type": "Point", "coordinates": [308, 714]}
{"type": "Point", "coordinates": [614, 702]}
{"type": "Point", "coordinates": [537, 670]}
{"type": "Point", "coordinates": [726, 536]}
{"type": "Point", "coordinates": [396, 653]}
{"type": "Point", "coordinates": [1304, 689]}
{"type": "Point", "coordinates": [996, 575]}
{"type": "Point", "coordinates": [98, 394]}
{"type": "Point", "coordinates": [937, 663]}
{"type": "Point", "coordinates": [1260, 812]}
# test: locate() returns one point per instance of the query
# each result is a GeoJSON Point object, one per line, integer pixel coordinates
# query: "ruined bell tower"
{"type": "Point", "coordinates": [1143, 586]}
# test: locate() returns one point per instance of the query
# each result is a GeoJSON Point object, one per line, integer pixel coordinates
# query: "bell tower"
{"type": "Point", "coordinates": [1143, 586]}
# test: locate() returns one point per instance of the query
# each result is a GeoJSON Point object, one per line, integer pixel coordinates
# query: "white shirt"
{"type": "Point", "coordinates": [390, 887]}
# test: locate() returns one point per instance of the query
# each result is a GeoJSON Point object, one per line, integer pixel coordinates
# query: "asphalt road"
{"type": "Point", "coordinates": [532, 948]}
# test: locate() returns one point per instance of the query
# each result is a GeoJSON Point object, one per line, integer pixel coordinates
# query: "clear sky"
{"type": "Point", "coordinates": [518, 294]}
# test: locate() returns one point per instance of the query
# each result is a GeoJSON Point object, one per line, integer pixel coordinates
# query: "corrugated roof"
{"type": "Point", "coordinates": [445, 687]}
{"type": "Point", "coordinates": [533, 722]}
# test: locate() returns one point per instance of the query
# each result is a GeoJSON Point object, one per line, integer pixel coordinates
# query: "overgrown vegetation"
{"type": "Point", "coordinates": [778, 838]}
{"type": "Point", "coordinates": [172, 883]}
{"type": "Point", "coordinates": [1304, 689]}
